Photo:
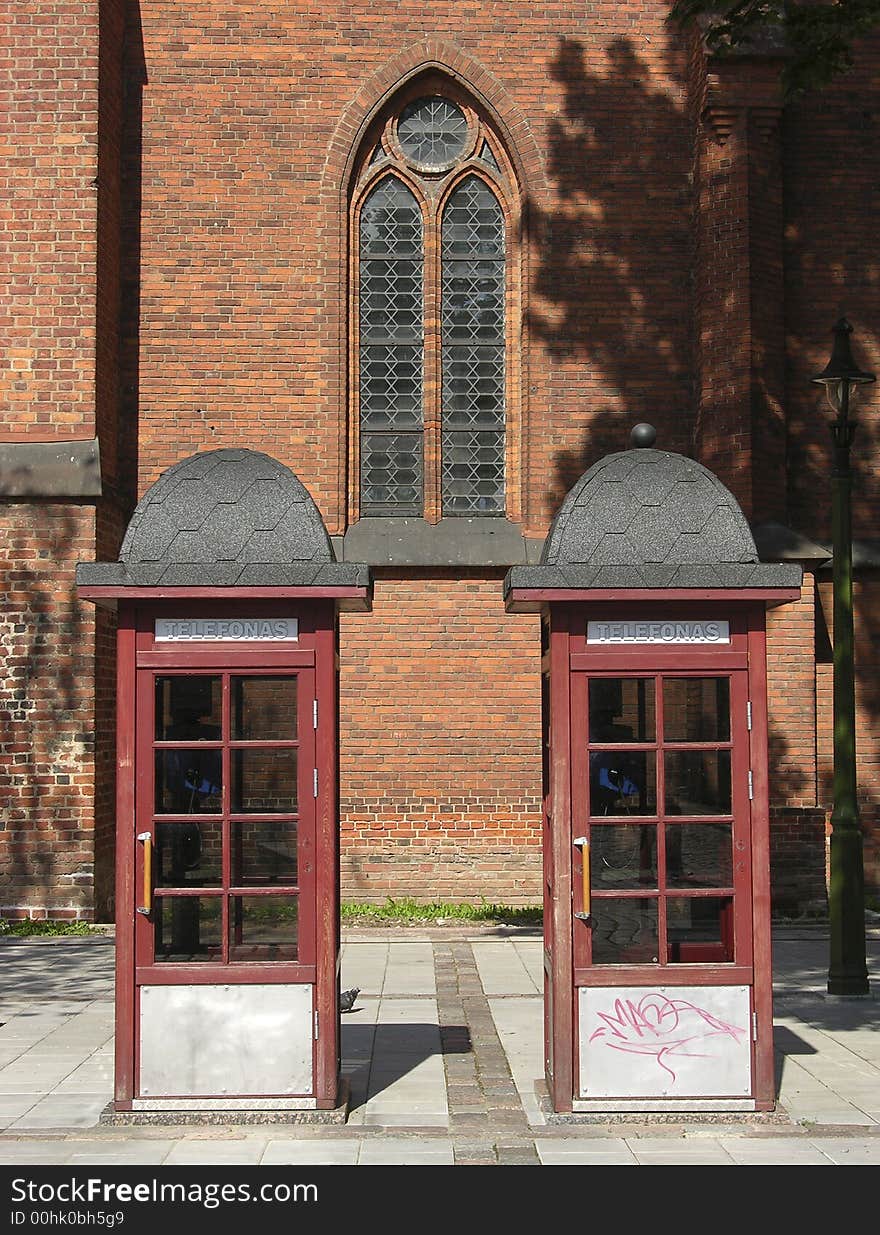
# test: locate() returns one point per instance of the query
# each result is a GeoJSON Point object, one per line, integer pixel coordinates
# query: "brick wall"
{"type": "Point", "coordinates": [440, 717]}
{"type": "Point", "coordinates": [832, 169]}
{"type": "Point", "coordinates": [47, 725]}
{"type": "Point", "coordinates": [48, 235]}
{"type": "Point", "coordinates": [202, 301]}
{"type": "Point", "coordinates": [246, 133]}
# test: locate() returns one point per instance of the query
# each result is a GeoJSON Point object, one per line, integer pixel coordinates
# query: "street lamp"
{"type": "Point", "coordinates": [847, 971]}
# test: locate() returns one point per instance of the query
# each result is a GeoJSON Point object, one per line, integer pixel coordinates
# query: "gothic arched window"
{"type": "Point", "coordinates": [432, 208]}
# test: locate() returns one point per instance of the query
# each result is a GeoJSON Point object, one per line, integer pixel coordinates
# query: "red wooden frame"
{"type": "Point", "coordinates": [566, 664]}
{"type": "Point", "coordinates": [313, 659]}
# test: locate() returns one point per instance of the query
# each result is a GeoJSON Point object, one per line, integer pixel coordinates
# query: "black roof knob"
{"type": "Point", "coordinates": [643, 436]}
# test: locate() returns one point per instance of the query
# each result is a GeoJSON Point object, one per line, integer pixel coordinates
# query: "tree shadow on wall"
{"type": "Point", "coordinates": [612, 301]}
{"type": "Point", "coordinates": [609, 293]}
{"type": "Point", "coordinates": [612, 294]}
{"type": "Point", "coordinates": [45, 663]}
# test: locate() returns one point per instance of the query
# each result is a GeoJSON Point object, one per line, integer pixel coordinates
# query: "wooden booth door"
{"type": "Point", "coordinates": [663, 900]}
{"type": "Point", "coordinates": [225, 879]}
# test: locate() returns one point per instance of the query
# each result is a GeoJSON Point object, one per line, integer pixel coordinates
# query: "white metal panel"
{"type": "Point", "coordinates": [665, 1042]}
{"type": "Point", "coordinates": [209, 1041]}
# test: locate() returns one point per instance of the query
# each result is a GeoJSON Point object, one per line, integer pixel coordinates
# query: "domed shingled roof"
{"type": "Point", "coordinates": [647, 518]}
{"type": "Point", "coordinates": [235, 518]}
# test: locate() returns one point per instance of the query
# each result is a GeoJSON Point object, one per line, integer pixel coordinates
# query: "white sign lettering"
{"type": "Point", "coordinates": [226, 630]}
{"type": "Point", "coordinates": [658, 632]}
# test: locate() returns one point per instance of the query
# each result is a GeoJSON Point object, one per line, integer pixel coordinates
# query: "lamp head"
{"type": "Point", "coordinates": [841, 373]}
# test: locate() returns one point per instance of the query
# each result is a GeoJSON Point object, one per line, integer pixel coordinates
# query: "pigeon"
{"type": "Point", "coordinates": [347, 998]}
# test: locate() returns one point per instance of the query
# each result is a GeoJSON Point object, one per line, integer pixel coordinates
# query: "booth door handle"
{"type": "Point", "coordinates": [584, 845]}
{"type": "Point", "coordinates": [146, 840]}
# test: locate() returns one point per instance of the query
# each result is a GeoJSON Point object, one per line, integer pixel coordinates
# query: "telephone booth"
{"type": "Point", "coordinates": [227, 867]}
{"type": "Point", "coordinates": [656, 834]}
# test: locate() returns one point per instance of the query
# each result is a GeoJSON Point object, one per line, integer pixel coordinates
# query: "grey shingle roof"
{"type": "Point", "coordinates": [651, 519]}
{"type": "Point", "coordinates": [230, 518]}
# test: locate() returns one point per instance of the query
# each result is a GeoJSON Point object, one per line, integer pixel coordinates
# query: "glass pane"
{"type": "Point", "coordinates": [697, 782]}
{"type": "Point", "coordinates": [189, 854]}
{"type": "Point", "coordinates": [263, 928]}
{"type": "Point", "coordinates": [188, 781]}
{"type": "Point", "coordinates": [473, 473]}
{"type": "Point", "coordinates": [391, 473]}
{"type": "Point", "coordinates": [473, 221]}
{"type": "Point", "coordinates": [263, 853]}
{"type": "Point", "coordinates": [391, 386]}
{"type": "Point", "coordinates": [487, 156]}
{"type": "Point", "coordinates": [391, 221]}
{"type": "Point", "coordinates": [263, 781]}
{"type": "Point", "coordinates": [432, 131]}
{"type": "Point", "coordinates": [624, 931]}
{"type": "Point", "coordinates": [621, 709]}
{"type": "Point", "coordinates": [623, 782]}
{"type": "Point", "coordinates": [264, 708]}
{"type": "Point", "coordinates": [391, 301]}
{"type": "Point", "coordinates": [699, 855]}
{"type": "Point", "coordinates": [473, 301]}
{"type": "Point", "coordinates": [696, 709]}
{"type": "Point", "coordinates": [473, 386]}
{"type": "Point", "coordinates": [188, 709]}
{"type": "Point", "coordinates": [699, 930]}
{"type": "Point", "coordinates": [623, 855]}
{"type": "Point", "coordinates": [188, 928]}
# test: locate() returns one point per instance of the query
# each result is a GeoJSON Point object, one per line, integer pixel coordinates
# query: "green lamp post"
{"type": "Point", "coordinates": [847, 971]}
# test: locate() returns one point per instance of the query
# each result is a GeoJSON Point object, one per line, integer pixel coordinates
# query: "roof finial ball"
{"type": "Point", "coordinates": [643, 436]}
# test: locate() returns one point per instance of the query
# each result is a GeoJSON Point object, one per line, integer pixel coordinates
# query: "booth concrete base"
{"type": "Point", "coordinates": [756, 1119]}
{"type": "Point", "coordinates": [165, 1118]}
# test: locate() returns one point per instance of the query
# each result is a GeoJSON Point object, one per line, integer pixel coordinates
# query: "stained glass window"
{"type": "Point", "coordinates": [391, 350]}
{"type": "Point", "coordinates": [472, 342]}
{"type": "Point", "coordinates": [432, 329]}
{"type": "Point", "coordinates": [432, 132]}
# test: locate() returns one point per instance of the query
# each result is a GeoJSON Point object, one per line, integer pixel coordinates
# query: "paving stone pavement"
{"type": "Point", "coordinates": [486, 1118]}
{"type": "Point", "coordinates": [442, 1051]}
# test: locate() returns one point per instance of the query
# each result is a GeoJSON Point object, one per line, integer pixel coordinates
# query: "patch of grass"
{"type": "Point", "coordinates": [408, 910]}
{"type": "Point", "coordinates": [25, 927]}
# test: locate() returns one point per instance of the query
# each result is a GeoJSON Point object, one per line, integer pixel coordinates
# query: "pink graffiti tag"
{"type": "Point", "coordinates": [663, 1027]}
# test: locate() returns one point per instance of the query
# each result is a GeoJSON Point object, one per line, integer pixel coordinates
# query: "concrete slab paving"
{"type": "Point", "coordinates": [775, 1151]}
{"type": "Point", "coordinates": [585, 1153]}
{"type": "Point", "coordinates": [462, 1063]}
{"type": "Point", "coordinates": [63, 1111]}
{"type": "Point", "coordinates": [849, 1151]}
{"type": "Point", "coordinates": [391, 1151]}
{"type": "Point", "coordinates": [132, 1153]}
{"type": "Point", "coordinates": [244, 1152]}
{"type": "Point", "coordinates": [503, 970]}
{"type": "Point", "coordinates": [311, 1153]}
{"type": "Point", "coordinates": [520, 1027]}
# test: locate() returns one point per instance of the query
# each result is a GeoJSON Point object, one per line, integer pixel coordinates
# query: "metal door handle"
{"type": "Point", "coordinates": [146, 840]}
{"type": "Point", "coordinates": [584, 845]}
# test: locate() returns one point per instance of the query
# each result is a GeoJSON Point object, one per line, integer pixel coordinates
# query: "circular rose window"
{"type": "Point", "coordinates": [432, 132]}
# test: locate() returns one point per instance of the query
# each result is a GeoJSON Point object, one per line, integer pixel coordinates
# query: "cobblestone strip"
{"type": "Point", "coordinates": [486, 1119]}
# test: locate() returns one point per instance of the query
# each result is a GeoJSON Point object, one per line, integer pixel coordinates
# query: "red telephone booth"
{"type": "Point", "coordinates": [656, 832]}
{"type": "Point", "coordinates": [227, 883]}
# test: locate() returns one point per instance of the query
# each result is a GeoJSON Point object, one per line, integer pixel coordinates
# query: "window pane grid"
{"type": "Point", "coordinates": [473, 294]}
{"type": "Point", "coordinates": [226, 881]}
{"type": "Point", "coordinates": [391, 473]}
{"type": "Point", "coordinates": [432, 131]}
{"type": "Point", "coordinates": [686, 857]}
{"type": "Point", "coordinates": [391, 351]}
{"type": "Point", "coordinates": [467, 416]}
{"type": "Point", "coordinates": [473, 472]}
{"type": "Point", "coordinates": [473, 386]}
